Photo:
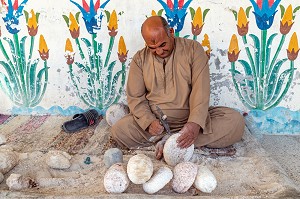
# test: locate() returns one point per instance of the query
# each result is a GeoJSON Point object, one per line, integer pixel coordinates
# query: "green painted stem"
{"type": "Point", "coordinates": [28, 67]}
{"type": "Point", "coordinates": [20, 64]}
{"type": "Point", "coordinates": [237, 87]}
{"type": "Point", "coordinates": [122, 82]}
{"type": "Point", "coordinates": [95, 46]}
{"type": "Point", "coordinates": [176, 34]}
{"type": "Point", "coordinates": [111, 44]}
{"type": "Point", "coordinates": [261, 86]}
{"type": "Point", "coordinates": [195, 37]}
{"type": "Point", "coordinates": [275, 57]}
{"type": "Point", "coordinates": [80, 49]}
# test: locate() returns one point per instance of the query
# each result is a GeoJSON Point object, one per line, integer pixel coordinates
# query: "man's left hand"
{"type": "Point", "coordinates": [189, 134]}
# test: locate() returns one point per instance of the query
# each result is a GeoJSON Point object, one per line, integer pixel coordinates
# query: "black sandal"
{"type": "Point", "coordinates": [81, 121]}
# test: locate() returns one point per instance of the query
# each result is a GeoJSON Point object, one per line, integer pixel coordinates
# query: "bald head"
{"type": "Point", "coordinates": [158, 36]}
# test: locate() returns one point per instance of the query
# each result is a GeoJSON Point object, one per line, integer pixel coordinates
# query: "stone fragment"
{"type": "Point", "coordinates": [17, 182]}
{"type": "Point", "coordinates": [58, 160]}
{"type": "Point", "coordinates": [184, 176]}
{"type": "Point", "coordinates": [205, 180]}
{"type": "Point", "coordinates": [139, 169]}
{"type": "Point", "coordinates": [115, 179]}
{"type": "Point", "coordinates": [2, 139]}
{"type": "Point", "coordinates": [158, 181]}
{"type": "Point", "coordinates": [1, 178]}
{"type": "Point", "coordinates": [112, 156]}
{"type": "Point", "coordinates": [174, 154]}
{"type": "Point", "coordinates": [116, 112]}
{"type": "Point", "coordinates": [8, 160]}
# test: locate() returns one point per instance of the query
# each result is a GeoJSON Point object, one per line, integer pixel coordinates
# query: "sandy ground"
{"type": "Point", "coordinates": [251, 173]}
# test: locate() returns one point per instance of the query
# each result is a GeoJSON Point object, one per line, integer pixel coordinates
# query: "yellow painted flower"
{"type": "Point", "coordinates": [32, 25]}
{"type": "Point", "coordinates": [68, 47]}
{"type": "Point", "coordinates": [73, 23]}
{"type": "Point", "coordinates": [74, 27]}
{"type": "Point", "coordinates": [198, 18]}
{"type": "Point", "coordinates": [113, 21]}
{"type": "Point", "coordinates": [69, 52]}
{"type": "Point", "coordinates": [288, 16]}
{"type": "Point", "coordinates": [242, 18]}
{"type": "Point", "coordinates": [32, 22]}
{"type": "Point", "coordinates": [287, 21]}
{"type": "Point", "coordinates": [122, 51]}
{"type": "Point", "coordinates": [233, 51]}
{"type": "Point", "coordinates": [293, 49]}
{"type": "Point", "coordinates": [206, 44]}
{"type": "Point", "coordinates": [43, 48]}
{"type": "Point", "coordinates": [113, 24]}
{"type": "Point", "coordinates": [153, 13]}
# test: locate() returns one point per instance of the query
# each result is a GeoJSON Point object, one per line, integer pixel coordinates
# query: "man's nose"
{"type": "Point", "coordinates": [159, 51]}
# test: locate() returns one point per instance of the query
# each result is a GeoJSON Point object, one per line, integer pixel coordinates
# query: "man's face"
{"type": "Point", "coordinates": [159, 42]}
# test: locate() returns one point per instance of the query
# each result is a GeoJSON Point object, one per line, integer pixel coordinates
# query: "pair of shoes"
{"type": "Point", "coordinates": [81, 121]}
{"type": "Point", "coordinates": [216, 152]}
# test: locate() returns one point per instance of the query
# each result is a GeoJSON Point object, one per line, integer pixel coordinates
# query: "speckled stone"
{"type": "Point", "coordinates": [2, 139]}
{"type": "Point", "coordinates": [1, 177]}
{"type": "Point", "coordinates": [205, 180]}
{"type": "Point", "coordinates": [162, 177]}
{"type": "Point", "coordinates": [58, 160]}
{"type": "Point", "coordinates": [115, 179]}
{"type": "Point", "coordinates": [116, 112]}
{"type": "Point", "coordinates": [173, 154]}
{"type": "Point", "coordinates": [112, 156]}
{"type": "Point", "coordinates": [17, 182]}
{"type": "Point", "coordinates": [8, 160]}
{"type": "Point", "coordinates": [139, 169]}
{"type": "Point", "coordinates": [184, 176]}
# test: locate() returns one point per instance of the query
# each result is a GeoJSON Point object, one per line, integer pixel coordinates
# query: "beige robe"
{"type": "Point", "coordinates": [181, 89]}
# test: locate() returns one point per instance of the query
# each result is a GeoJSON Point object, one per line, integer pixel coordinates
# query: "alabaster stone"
{"type": "Point", "coordinates": [58, 160]}
{"type": "Point", "coordinates": [17, 182]}
{"type": "Point", "coordinates": [174, 154]}
{"type": "Point", "coordinates": [158, 181]}
{"type": "Point", "coordinates": [205, 180]}
{"type": "Point", "coordinates": [139, 169]}
{"type": "Point", "coordinates": [8, 160]}
{"type": "Point", "coordinates": [116, 112]}
{"type": "Point", "coordinates": [115, 179]}
{"type": "Point", "coordinates": [112, 156]}
{"type": "Point", "coordinates": [184, 176]}
{"type": "Point", "coordinates": [1, 178]}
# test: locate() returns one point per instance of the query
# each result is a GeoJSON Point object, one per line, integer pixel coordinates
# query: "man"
{"type": "Point", "coordinates": [173, 73]}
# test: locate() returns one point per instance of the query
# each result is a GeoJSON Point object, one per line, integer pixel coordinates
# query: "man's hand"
{"type": "Point", "coordinates": [189, 134]}
{"type": "Point", "coordinates": [156, 128]}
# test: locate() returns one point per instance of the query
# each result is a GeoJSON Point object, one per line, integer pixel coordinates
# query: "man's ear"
{"type": "Point", "coordinates": [171, 31]}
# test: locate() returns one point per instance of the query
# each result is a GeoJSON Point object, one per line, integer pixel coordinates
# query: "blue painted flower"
{"type": "Point", "coordinates": [175, 13]}
{"type": "Point", "coordinates": [91, 19]}
{"type": "Point", "coordinates": [264, 11]}
{"type": "Point", "coordinates": [11, 18]}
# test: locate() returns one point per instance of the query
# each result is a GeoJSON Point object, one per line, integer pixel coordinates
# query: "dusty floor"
{"type": "Point", "coordinates": [252, 173]}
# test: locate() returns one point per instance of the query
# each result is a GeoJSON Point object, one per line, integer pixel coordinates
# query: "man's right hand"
{"type": "Point", "coordinates": [156, 128]}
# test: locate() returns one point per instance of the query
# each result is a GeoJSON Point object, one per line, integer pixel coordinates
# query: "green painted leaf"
{"type": "Point", "coordinates": [39, 92]}
{"type": "Point", "coordinates": [295, 10]}
{"type": "Point", "coordinates": [234, 13]}
{"type": "Point", "coordinates": [107, 15]}
{"type": "Point", "coordinates": [192, 11]}
{"type": "Point", "coordinates": [248, 11]}
{"type": "Point", "coordinates": [22, 53]}
{"type": "Point", "coordinates": [248, 72]}
{"type": "Point", "coordinates": [159, 13]}
{"type": "Point", "coordinates": [113, 89]}
{"type": "Point", "coordinates": [109, 76]}
{"type": "Point", "coordinates": [282, 10]}
{"type": "Point", "coordinates": [284, 76]}
{"type": "Point", "coordinates": [186, 36]}
{"type": "Point", "coordinates": [272, 82]}
{"type": "Point", "coordinates": [77, 16]}
{"type": "Point", "coordinates": [37, 16]}
{"type": "Point", "coordinates": [12, 50]}
{"type": "Point", "coordinates": [32, 78]}
{"type": "Point", "coordinates": [12, 77]}
{"type": "Point", "coordinates": [26, 15]}
{"type": "Point", "coordinates": [205, 13]}
{"type": "Point", "coordinates": [256, 42]}
{"type": "Point", "coordinates": [66, 20]}
{"type": "Point", "coordinates": [268, 50]}
{"type": "Point", "coordinates": [5, 86]}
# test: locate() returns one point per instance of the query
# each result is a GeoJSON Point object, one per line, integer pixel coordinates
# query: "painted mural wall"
{"type": "Point", "coordinates": [66, 56]}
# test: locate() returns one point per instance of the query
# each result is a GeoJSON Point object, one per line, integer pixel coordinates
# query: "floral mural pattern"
{"type": "Point", "coordinates": [100, 89]}
{"type": "Point", "coordinates": [23, 81]}
{"type": "Point", "coordinates": [264, 79]}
